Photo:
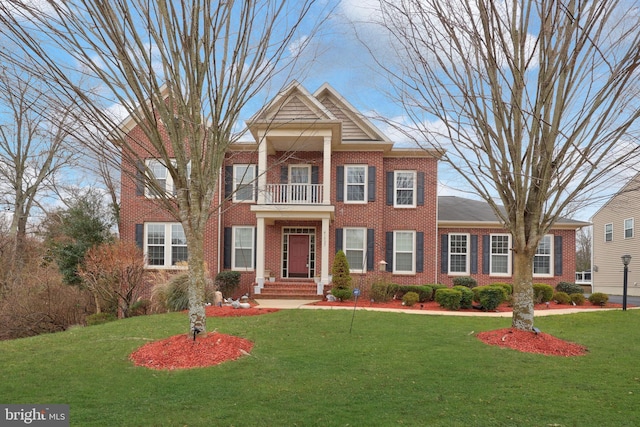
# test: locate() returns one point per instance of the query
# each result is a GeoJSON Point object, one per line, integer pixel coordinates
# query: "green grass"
{"type": "Point", "coordinates": [306, 369]}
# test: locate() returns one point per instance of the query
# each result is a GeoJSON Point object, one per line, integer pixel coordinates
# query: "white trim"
{"type": "Point", "coordinates": [467, 255]}
{"type": "Point", "coordinates": [413, 252]}
{"type": "Point", "coordinates": [237, 181]}
{"type": "Point", "coordinates": [610, 233]}
{"type": "Point", "coordinates": [414, 189]}
{"type": "Point", "coordinates": [167, 245]}
{"type": "Point", "coordinates": [631, 228]}
{"type": "Point", "coordinates": [362, 268]}
{"type": "Point", "coordinates": [550, 255]}
{"type": "Point", "coordinates": [251, 247]}
{"type": "Point", "coordinates": [364, 184]}
{"type": "Point", "coordinates": [508, 255]}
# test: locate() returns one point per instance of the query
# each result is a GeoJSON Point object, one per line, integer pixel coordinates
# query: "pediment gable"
{"type": "Point", "coordinates": [293, 103]}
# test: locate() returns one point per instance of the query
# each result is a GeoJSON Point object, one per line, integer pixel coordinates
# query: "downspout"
{"type": "Point", "coordinates": [438, 240]}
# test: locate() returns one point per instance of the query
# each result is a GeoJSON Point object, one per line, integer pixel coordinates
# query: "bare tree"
{"type": "Point", "coordinates": [182, 71]}
{"type": "Point", "coordinates": [584, 239]}
{"type": "Point", "coordinates": [534, 102]}
{"type": "Point", "coordinates": [33, 149]}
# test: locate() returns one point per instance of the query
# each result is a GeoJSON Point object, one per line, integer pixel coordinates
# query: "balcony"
{"type": "Point", "coordinates": [293, 194]}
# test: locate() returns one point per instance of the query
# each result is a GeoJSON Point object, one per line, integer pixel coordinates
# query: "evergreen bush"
{"type": "Point", "coordinates": [569, 288]}
{"type": "Point", "coordinates": [380, 291]}
{"type": "Point", "coordinates": [449, 298]}
{"type": "Point", "coordinates": [561, 297]}
{"type": "Point", "coordinates": [577, 299]}
{"type": "Point", "coordinates": [227, 282]}
{"type": "Point", "coordinates": [341, 277]}
{"type": "Point", "coordinates": [507, 287]}
{"type": "Point", "coordinates": [466, 281]}
{"type": "Point", "coordinates": [467, 296]}
{"type": "Point", "coordinates": [542, 292]}
{"type": "Point", "coordinates": [490, 297]}
{"type": "Point", "coordinates": [598, 298]}
{"type": "Point", "coordinates": [410, 298]}
{"type": "Point", "coordinates": [425, 293]}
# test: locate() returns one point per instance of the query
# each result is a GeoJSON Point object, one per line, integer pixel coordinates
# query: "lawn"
{"type": "Point", "coordinates": [307, 369]}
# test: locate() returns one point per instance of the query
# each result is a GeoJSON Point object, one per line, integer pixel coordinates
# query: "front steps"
{"type": "Point", "coordinates": [298, 289]}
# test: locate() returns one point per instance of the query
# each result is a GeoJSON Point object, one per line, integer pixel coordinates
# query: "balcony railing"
{"type": "Point", "coordinates": [293, 194]}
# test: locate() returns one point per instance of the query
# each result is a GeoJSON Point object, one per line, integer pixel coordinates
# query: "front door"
{"type": "Point", "coordinates": [298, 255]}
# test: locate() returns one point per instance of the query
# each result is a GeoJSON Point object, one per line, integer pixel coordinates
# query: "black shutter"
{"type": "Point", "coordinates": [389, 188]}
{"type": "Point", "coordinates": [339, 184]}
{"type": "Point", "coordinates": [255, 184]}
{"type": "Point", "coordinates": [140, 178]}
{"type": "Point", "coordinates": [140, 235]}
{"type": "Point", "coordinates": [557, 255]}
{"type": "Point", "coordinates": [389, 251]}
{"type": "Point", "coordinates": [370, 249]}
{"type": "Point", "coordinates": [371, 184]}
{"type": "Point", "coordinates": [474, 254]}
{"type": "Point", "coordinates": [420, 198]}
{"type": "Point", "coordinates": [255, 246]}
{"type": "Point", "coordinates": [226, 263]}
{"type": "Point", "coordinates": [338, 239]}
{"type": "Point", "coordinates": [419, 252]}
{"type": "Point", "coordinates": [444, 253]}
{"type": "Point", "coordinates": [284, 174]}
{"type": "Point", "coordinates": [486, 254]}
{"type": "Point", "coordinates": [315, 175]}
{"type": "Point", "coordinates": [228, 181]}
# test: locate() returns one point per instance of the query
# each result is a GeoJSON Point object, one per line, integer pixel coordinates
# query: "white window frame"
{"type": "Point", "coordinates": [396, 252]}
{"type": "Point", "coordinates": [550, 255]}
{"type": "Point", "coordinates": [608, 234]}
{"type": "Point", "coordinates": [348, 184]}
{"type": "Point", "coordinates": [361, 267]}
{"type": "Point", "coordinates": [169, 187]}
{"type": "Point", "coordinates": [239, 176]}
{"type": "Point", "coordinates": [507, 255]}
{"type": "Point", "coordinates": [168, 244]}
{"type": "Point", "coordinates": [396, 188]}
{"type": "Point", "coordinates": [234, 248]}
{"type": "Point", "coordinates": [629, 224]}
{"type": "Point", "coordinates": [466, 253]}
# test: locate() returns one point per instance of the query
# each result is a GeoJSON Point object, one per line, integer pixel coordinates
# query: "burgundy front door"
{"type": "Point", "coordinates": [298, 255]}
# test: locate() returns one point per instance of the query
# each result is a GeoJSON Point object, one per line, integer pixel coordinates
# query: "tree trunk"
{"type": "Point", "coordinates": [522, 291]}
{"type": "Point", "coordinates": [197, 316]}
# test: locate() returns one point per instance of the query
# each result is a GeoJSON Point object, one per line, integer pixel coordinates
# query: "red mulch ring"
{"type": "Point", "coordinates": [531, 342]}
{"type": "Point", "coordinates": [182, 352]}
{"type": "Point", "coordinates": [228, 311]}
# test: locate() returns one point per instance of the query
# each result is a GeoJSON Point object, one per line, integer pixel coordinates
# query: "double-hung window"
{"type": "Point", "coordinates": [165, 244]}
{"type": "Point", "coordinates": [356, 182]}
{"type": "Point", "coordinates": [404, 249]}
{"type": "Point", "coordinates": [243, 246]}
{"type": "Point", "coordinates": [628, 228]}
{"type": "Point", "coordinates": [404, 189]}
{"type": "Point", "coordinates": [354, 244]}
{"type": "Point", "coordinates": [542, 259]}
{"type": "Point", "coordinates": [244, 183]}
{"type": "Point", "coordinates": [500, 260]}
{"type": "Point", "coordinates": [458, 254]}
{"type": "Point", "coordinates": [608, 232]}
{"type": "Point", "coordinates": [162, 181]}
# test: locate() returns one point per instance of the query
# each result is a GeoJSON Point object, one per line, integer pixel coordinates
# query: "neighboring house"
{"type": "Point", "coordinates": [319, 178]}
{"type": "Point", "coordinates": [614, 235]}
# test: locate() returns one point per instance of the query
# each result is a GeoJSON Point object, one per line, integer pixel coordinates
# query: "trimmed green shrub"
{"type": "Point", "coordinates": [561, 298]}
{"type": "Point", "coordinates": [99, 318]}
{"type": "Point", "coordinates": [410, 298]}
{"type": "Point", "coordinates": [341, 277]}
{"type": "Point", "coordinates": [490, 297]}
{"type": "Point", "coordinates": [577, 299]}
{"type": "Point", "coordinates": [465, 281]}
{"type": "Point", "coordinates": [435, 288]}
{"type": "Point", "coordinates": [542, 292]}
{"type": "Point", "coordinates": [380, 291]}
{"type": "Point", "coordinates": [598, 298]}
{"type": "Point", "coordinates": [425, 293]}
{"type": "Point", "coordinates": [227, 282]}
{"type": "Point", "coordinates": [467, 296]}
{"type": "Point", "coordinates": [569, 288]}
{"type": "Point", "coordinates": [507, 287]}
{"type": "Point", "coordinates": [449, 298]}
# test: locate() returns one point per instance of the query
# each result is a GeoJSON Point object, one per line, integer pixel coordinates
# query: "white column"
{"type": "Point", "coordinates": [324, 264]}
{"type": "Point", "coordinates": [260, 253]}
{"type": "Point", "coordinates": [326, 172]}
{"type": "Point", "coordinates": [262, 169]}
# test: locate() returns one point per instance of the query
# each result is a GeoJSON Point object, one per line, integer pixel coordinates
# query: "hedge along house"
{"type": "Point", "coordinates": [317, 178]}
{"type": "Point", "coordinates": [474, 243]}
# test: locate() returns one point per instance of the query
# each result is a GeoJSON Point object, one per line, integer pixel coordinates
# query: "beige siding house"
{"type": "Point", "coordinates": [615, 233]}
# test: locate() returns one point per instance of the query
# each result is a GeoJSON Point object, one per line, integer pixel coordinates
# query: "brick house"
{"type": "Point", "coordinates": [318, 178]}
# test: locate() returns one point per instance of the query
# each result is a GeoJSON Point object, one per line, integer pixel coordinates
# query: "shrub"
{"type": "Point", "coordinates": [100, 318]}
{"type": "Point", "coordinates": [542, 292]}
{"type": "Point", "coordinates": [466, 281]}
{"type": "Point", "coordinates": [425, 293]}
{"type": "Point", "coordinates": [435, 288]}
{"type": "Point", "coordinates": [410, 298]}
{"type": "Point", "coordinates": [490, 297]}
{"type": "Point", "coordinates": [449, 298]}
{"type": "Point", "coordinates": [140, 307]}
{"type": "Point", "coordinates": [569, 288]}
{"type": "Point", "coordinates": [561, 297]}
{"type": "Point", "coordinates": [227, 282]}
{"type": "Point", "coordinates": [507, 287]}
{"type": "Point", "coordinates": [577, 299]}
{"type": "Point", "coordinates": [341, 277]}
{"type": "Point", "coordinates": [467, 296]}
{"type": "Point", "coordinates": [177, 297]}
{"type": "Point", "coordinates": [380, 291]}
{"type": "Point", "coordinates": [598, 298]}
